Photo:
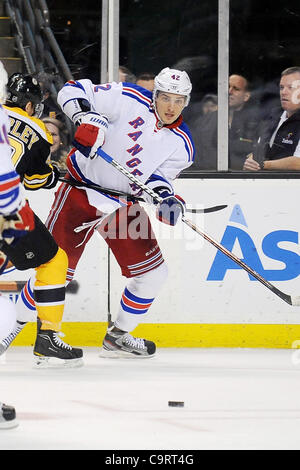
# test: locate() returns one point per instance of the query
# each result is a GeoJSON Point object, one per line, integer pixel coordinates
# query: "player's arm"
{"type": "Point", "coordinates": [31, 163]}
{"type": "Point", "coordinates": [45, 176]}
{"type": "Point", "coordinates": [18, 223]}
{"type": "Point", "coordinates": [34, 166]}
{"type": "Point", "coordinates": [92, 126]}
{"type": "Point", "coordinates": [12, 227]}
{"type": "Point", "coordinates": [16, 217]}
{"type": "Point", "coordinates": [172, 206]}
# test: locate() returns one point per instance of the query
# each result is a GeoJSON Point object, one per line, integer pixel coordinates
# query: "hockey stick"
{"type": "Point", "coordinates": [291, 300]}
{"type": "Point", "coordinates": [130, 197]}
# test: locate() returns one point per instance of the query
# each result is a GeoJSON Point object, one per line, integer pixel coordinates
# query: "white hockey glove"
{"type": "Point", "coordinates": [90, 135]}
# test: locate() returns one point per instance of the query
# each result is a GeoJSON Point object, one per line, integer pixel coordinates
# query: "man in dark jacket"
{"type": "Point", "coordinates": [243, 119]}
{"type": "Point", "coordinates": [278, 147]}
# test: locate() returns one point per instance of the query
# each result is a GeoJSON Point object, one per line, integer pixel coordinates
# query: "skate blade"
{"type": "Point", "coordinates": [55, 363]}
{"type": "Point", "coordinates": [9, 424]}
{"type": "Point", "coordinates": [118, 353]}
{"type": "Point", "coordinates": [2, 357]}
{"type": "Point", "coordinates": [2, 351]}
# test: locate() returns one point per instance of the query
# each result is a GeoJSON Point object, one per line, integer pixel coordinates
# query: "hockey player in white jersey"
{"type": "Point", "coordinates": [145, 133]}
{"type": "Point", "coordinates": [16, 219]}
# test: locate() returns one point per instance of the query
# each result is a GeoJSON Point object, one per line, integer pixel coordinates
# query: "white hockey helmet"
{"type": "Point", "coordinates": [3, 82]}
{"type": "Point", "coordinates": [173, 81]}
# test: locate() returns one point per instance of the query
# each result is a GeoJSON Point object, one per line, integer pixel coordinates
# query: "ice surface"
{"type": "Point", "coordinates": [234, 399]}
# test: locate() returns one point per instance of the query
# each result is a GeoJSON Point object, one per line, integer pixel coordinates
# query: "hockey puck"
{"type": "Point", "coordinates": [178, 404]}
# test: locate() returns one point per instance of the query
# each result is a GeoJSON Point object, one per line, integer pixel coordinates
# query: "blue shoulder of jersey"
{"type": "Point", "coordinates": [137, 93]}
{"type": "Point", "coordinates": [74, 83]}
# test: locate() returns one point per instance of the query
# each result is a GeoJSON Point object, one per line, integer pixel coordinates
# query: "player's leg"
{"type": "Point", "coordinates": [69, 211]}
{"type": "Point", "coordinates": [30, 251]}
{"type": "Point", "coordinates": [49, 294]}
{"type": "Point", "coordinates": [39, 250]}
{"type": "Point", "coordinates": [134, 307]}
{"type": "Point", "coordinates": [7, 320]}
{"type": "Point", "coordinates": [142, 263]}
{"type": "Point", "coordinates": [25, 312]}
{"type": "Point", "coordinates": [61, 222]}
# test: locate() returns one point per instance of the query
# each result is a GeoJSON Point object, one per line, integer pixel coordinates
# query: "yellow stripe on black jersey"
{"type": "Point", "coordinates": [35, 181]}
{"type": "Point", "coordinates": [31, 142]}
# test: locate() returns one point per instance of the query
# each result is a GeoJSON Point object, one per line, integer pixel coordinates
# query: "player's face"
{"type": "Point", "coordinates": [169, 106]}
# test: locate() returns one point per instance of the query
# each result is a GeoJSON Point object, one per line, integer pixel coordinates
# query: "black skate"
{"type": "Point", "coordinates": [122, 344]}
{"type": "Point", "coordinates": [50, 351]}
{"type": "Point", "coordinates": [7, 417]}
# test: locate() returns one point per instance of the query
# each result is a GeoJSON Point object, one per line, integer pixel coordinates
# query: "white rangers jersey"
{"type": "Point", "coordinates": [11, 191]}
{"type": "Point", "coordinates": [155, 155]}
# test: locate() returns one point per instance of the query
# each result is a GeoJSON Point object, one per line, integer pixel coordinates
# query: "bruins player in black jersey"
{"type": "Point", "coordinates": [30, 142]}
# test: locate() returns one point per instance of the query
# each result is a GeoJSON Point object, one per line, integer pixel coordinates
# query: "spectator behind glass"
{"type": "Point", "coordinates": [51, 108]}
{"type": "Point", "coordinates": [146, 80]}
{"type": "Point", "coordinates": [278, 146]}
{"type": "Point", "coordinates": [59, 150]}
{"type": "Point", "coordinates": [209, 103]}
{"type": "Point", "coordinates": [125, 75]}
{"type": "Point", "coordinates": [242, 129]}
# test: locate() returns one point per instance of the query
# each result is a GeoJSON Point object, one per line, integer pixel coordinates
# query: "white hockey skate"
{"type": "Point", "coordinates": [122, 344]}
{"type": "Point", "coordinates": [6, 342]}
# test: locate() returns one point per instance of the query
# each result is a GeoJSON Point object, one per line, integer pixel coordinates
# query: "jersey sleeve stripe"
{"type": "Point", "coordinates": [10, 175]}
{"type": "Point", "coordinates": [74, 84]}
{"type": "Point", "coordinates": [9, 191]}
{"type": "Point", "coordinates": [11, 195]}
{"type": "Point", "coordinates": [35, 181]}
{"type": "Point", "coordinates": [188, 143]}
{"type": "Point", "coordinates": [156, 181]}
{"type": "Point", "coordinates": [9, 184]}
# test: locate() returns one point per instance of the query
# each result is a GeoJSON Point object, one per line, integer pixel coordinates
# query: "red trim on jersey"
{"type": "Point", "coordinates": [10, 184]}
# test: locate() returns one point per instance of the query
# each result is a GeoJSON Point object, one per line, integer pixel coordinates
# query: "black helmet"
{"type": "Point", "coordinates": [23, 88]}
